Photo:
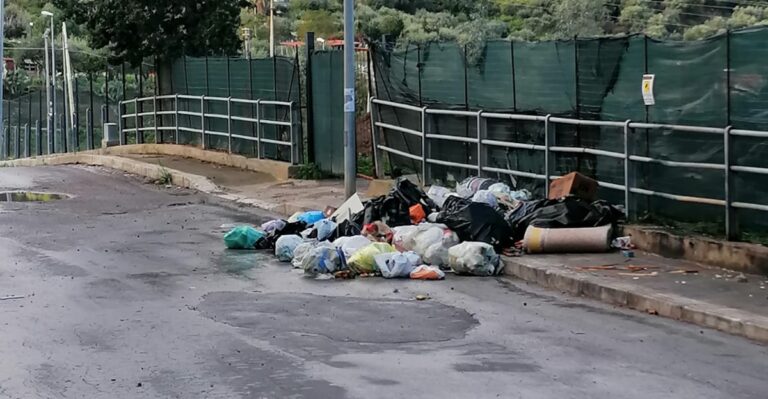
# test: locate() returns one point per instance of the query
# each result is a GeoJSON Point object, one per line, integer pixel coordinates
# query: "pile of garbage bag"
{"type": "Point", "coordinates": [412, 234]}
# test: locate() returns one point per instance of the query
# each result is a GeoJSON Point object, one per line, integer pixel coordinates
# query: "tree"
{"type": "Point", "coordinates": [323, 23]}
{"type": "Point", "coordinates": [16, 21]}
{"type": "Point", "coordinates": [582, 18]}
{"type": "Point", "coordinates": [133, 30]}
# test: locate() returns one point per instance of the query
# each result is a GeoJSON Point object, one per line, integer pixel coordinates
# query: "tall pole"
{"type": "Point", "coordinates": [350, 168]}
{"type": "Point", "coordinates": [2, 71]}
{"type": "Point", "coordinates": [271, 28]}
{"type": "Point", "coordinates": [53, 73]}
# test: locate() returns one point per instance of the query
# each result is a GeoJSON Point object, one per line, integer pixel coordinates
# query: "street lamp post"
{"type": "Point", "coordinates": [49, 116]}
{"type": "Point", "coordinates": [271, 28]}
{"type": "Point", "coordinates": [53, 70]}
{"type": "Point", "coordinates": [2, 71]}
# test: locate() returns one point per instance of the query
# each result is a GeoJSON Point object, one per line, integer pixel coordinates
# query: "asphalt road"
{"type": "Point", "coordinates": [127, 292]}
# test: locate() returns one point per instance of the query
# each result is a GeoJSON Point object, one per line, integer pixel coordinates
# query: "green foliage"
{"type": "Point", "coordinates": [17, 21]}
{"type": "Point", "coordinates": [324, 23]}
{"type": "Point", "coordinates": [365, 165]}
{"type": "Point", "coordinates": [136, 29]}
{"type": "Point", "coordinates": [16, 82]}
{"type": "Point", "coordinates": [309, 171]}
{"type": "Point", "coordinates": [165, 177]}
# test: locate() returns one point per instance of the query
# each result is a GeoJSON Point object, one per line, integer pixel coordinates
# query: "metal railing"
{"type": "Point", "coordinates": [175, 113]}
{"type": "Point", "coordinates": [549, 149]}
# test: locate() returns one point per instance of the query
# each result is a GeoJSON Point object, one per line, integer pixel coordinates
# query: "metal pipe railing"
{"type": "Point", "coordinates": [199, 108]}
{"type": "Point", "coordinates": [549, 148]}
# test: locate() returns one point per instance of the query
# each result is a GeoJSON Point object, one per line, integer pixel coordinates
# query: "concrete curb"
{"type": "Point", "coordinates": [744, 257]}
{"type": "Point", "coordinates": [153, 171]}
{"type": "Point", "coordinates": [729, 320]}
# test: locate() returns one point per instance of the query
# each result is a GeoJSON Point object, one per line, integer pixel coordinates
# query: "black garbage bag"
{"type": "Point", "coordinates": [390, 210]}
{"type": "Point", "coordinates": [290, 228]}
{"type": "Point", "coordinates": [475, 221]}
{"type": "Point", "coordinates": [564, 212]}
{"type": "Point", "coordinates": [346, 228]}
{"type": "Point", "coordinates": [410, 194]}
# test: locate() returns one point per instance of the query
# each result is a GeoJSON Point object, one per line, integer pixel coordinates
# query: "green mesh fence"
{"type": "Point", "coordinates": [716, 82]}
{"type": "Point", "coordinates": [95, 98]}
{"type": "Point", "coordinates": [328, 110]}
{"type": "Point", "coordinates": [256, 79]}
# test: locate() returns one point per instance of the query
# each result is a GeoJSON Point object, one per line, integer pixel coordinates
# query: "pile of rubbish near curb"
{"type": "Point", "coordinates": [412, 234]}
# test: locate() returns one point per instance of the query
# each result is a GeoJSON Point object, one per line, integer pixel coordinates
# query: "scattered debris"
{"type": "Point", "coordinates": [687, 271]}
{"type": "Point", "coordinates": [741, 278]}
{"type": "Point", "coordinates": [651, 274]}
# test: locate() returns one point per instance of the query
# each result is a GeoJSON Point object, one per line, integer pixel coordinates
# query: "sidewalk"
{"type": "Point", "coordinates": [706, 296]}
{"type": "Point", "coordinates": [258, 189]}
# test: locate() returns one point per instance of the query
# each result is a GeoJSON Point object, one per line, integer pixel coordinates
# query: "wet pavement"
{"type": "Point", "coordinates": [125, 291]}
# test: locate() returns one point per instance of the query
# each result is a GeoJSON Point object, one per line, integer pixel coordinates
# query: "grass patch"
{"type": "Point", "coordinates": [165, 177]}
{"type": "Point", "coordinates": [309, 171]}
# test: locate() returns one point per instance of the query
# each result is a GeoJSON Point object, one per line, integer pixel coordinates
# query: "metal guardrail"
{"type": "Point", "coordinates": [549, 148]}
{"type": "Point", "coordinates": [147, 116]}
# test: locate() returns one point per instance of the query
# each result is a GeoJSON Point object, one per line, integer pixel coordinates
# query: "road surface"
{"type": "Point", "coordinates": [125, 291]}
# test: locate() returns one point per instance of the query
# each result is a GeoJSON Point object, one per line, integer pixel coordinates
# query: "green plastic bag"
{"type": "Point", "coordinates": [242, 237]}
{"type": "Point", "coordinates": [363, 260]}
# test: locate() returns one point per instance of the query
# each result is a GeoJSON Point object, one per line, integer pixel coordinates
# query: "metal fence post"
{"type": "Point", "coordinates": [547, 154]}
{"type": "Point", "coordinates": [202, 115]}
{"type": "Point", "coordinates": [258, 128]}
{"type": "Point", "coordinates": [294, 153]}
{"type": "Point", "coordinates": [120, 123]}
{"type": "Point", "coordinates": [39, 138]}
{"type": "Point", "coordinates": [424, 145]}
{"type": "Point", "coordinates": [137, 122]}
{"type": "Point", "coordinates": [27, 144]}
{"type": "Point", "coordinates": [158, 139]}
{"type": "Point", "coordinates": [480, 137]}
{"type": "Point", "coordinates": [229, 121]}
{"type": "Point", "coordinates": [731, 225]}
{"type": "Point", "coordinates": [176, 115]}
{"type": "Point", "coordinates": [377, 164]}
{"type": "Point", "coordinates": [627, 182]}
{"type": "Point", "coordinates": [17, 142]}
{"type": "Point", "coordinates": [89, 127]}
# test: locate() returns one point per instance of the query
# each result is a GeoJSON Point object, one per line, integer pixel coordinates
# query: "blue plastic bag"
{"type": "Point", "coordinates": [242, 237]}
{"type": "Point", "coordinates": [310, 217]}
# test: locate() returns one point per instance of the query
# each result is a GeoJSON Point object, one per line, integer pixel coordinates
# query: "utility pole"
{"type": "Point", "coordinates": [2, 71]}
{"type": "Point", "coordinates": [49, 108]}
{"type": "Point", "coordinates": [53, 67]}
{"type": "Point", "coordinates": [271, 28]}
{"type": "Point", "coordinates": [350, 146]}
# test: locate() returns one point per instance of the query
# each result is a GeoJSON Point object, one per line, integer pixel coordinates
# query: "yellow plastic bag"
{"type": "Point", "coordinates": [363, 260]}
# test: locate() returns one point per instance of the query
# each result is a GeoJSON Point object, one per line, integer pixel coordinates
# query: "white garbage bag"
{"type": "Point", "coordinates": [438, 194]}
{"type": "Point", "coordinates": [321, 260]}
{"type": "Point", "coordinates": [399, 234]}
{"type": "Point", "coordinates": [304, 249]}
{"type": "Point", "coordinates": [475, 258]}
{"type": "Point", "coordinates": [397, 264]}
{"type": "Point", "coordinates": [285, 245]}
{"type": "Point", "coordinates": [350, 245]}
{"type": "Point", "coordinates": [437, 253]}
{"type": "Point", "coordinates": [485, 197]}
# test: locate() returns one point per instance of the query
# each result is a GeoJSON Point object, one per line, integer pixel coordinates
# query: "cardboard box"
{"type": "Point", "coordinates": [574, 184]}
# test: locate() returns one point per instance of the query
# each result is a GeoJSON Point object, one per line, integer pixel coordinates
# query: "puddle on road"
{"type": "Point", "coordinates": [30, 196]}
{"type": "Point", "coordinates": [240, 262]}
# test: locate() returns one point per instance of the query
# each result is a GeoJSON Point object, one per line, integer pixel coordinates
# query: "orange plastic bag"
{"type": "Point", "coordinates": [425, 272]}
{"type": "Point", "coordinates": [417, 214]}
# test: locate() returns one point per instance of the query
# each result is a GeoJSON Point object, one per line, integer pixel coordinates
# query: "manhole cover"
{"type": "Point", "coordinates": [29, 196]}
